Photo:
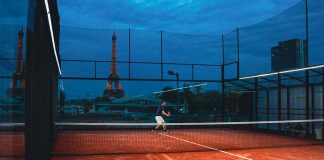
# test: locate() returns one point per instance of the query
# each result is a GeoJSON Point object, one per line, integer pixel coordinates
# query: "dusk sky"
{"type": "Point", "coordinates": [189, 17]}
{"type": "Point", "coordinates": [191, 34]}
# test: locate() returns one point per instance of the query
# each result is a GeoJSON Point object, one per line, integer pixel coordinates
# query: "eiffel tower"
{"type": "Point", "coordinates": [116, 91]}
{"type": "Point", "coordinates": [17, 84]}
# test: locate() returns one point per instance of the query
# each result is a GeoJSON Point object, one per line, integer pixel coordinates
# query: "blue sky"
{"type": "Point", "coordinates": [13, 12]}
{"type": "Point", "coordinates": [192, 32]}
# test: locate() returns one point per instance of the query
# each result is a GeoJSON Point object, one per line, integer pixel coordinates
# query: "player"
{"type": "Point", "coordinates": [161, 111]}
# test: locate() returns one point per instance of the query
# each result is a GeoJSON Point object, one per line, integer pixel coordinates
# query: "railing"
{"type": "Point", "coordinates": [132, 76]}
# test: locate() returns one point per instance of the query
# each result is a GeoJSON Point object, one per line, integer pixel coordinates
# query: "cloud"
{"type": "Point", "coordinates": [175, 16]}
{"type": "Point", "coordinates": [256, 39]}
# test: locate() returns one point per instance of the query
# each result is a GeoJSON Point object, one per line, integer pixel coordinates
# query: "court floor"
{"type": "Point", "coordinates": [176, 145]}
{"type": "Point", "coordinates": [286, 153]}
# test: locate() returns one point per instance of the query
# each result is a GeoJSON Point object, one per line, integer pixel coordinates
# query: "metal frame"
{"type": "Point", "coordinates": [288, 103]}
{"type": "Point", "coordinates": [279, 91]}
{"type": "Point", "coordinates": [223, 81]}
{"type": "Point", "coordinates": [256, 100]}
{"type": "Point", "coordinates": [41, 79]}
{"type": "Point", "coordinates": [161, 52]}
{"type": "Point", "coordinates": [129, 54]}
{"type": "Point", "coordinates": [267, 106]}
{"type": "Point", "coordinates": [307, 100]}
{"type": "Point", "coordinates": [238, 52]}
{"type": "Point", "coordinates": [304, 80]}
{"type": "Point", "coordinates": [313, 109]}
{"type": "Point", "coordinates": [295, 78]}
{"type": "Point", "coordinates": [322, 102]}
{"type": "Point", "coordinates": [130, 77]}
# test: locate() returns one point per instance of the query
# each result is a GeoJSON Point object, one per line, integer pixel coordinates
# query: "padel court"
{"type": "Point", "coordinates": [198, 143]}
{"type": "Point", "coordinates": [255, 92]}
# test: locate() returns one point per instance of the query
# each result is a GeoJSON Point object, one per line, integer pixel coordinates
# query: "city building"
{"type": "Point", "coordinates": [289, 54]}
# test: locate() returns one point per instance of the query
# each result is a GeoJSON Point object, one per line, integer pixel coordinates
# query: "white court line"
{"type": "Point", "coordinates": [214, 149]}
{"type": "Point", "coordinates": [167, 157]}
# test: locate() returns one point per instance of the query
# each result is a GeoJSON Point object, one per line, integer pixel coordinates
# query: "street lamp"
{"type": "Point", "coordinates": [171, 73]}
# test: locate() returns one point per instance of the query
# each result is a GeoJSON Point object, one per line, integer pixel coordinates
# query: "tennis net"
{"type": "Point", "coordinates": [130, 138]}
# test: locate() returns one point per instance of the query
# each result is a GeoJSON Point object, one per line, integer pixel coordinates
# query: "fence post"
{"type": "Point", "coordinates": [161, 55]}
{"type": "Point", "coordinates": [238, 52]}
{"type": "Point", "coordinates": [129, 53]}
{"type": "Point", "coordinates": [279, 89]}
{"type": "Point", "coordinates": [223, 82]}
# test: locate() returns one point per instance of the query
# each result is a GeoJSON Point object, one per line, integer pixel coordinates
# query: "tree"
{"type": "Point", "coordinates": [170, 96]}
{"type": "Point", "coordinates": [102, 99]}
{"type": "Point", "coordinates": [87, 105]}
{"type": "Point", "coordinates": [186, 94]}
{"type": "Point", "coordinates": [186, 89]}
{"type": "Point", "coordinates": [206, 102]}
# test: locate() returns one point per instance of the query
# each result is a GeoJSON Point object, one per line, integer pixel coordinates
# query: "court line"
{"type": "Point", "coordinates": [167, 157]}
{"type": "Point", "coordinates": [211, 148]}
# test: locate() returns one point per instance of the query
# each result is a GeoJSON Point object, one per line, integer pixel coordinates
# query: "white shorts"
{"type": "Point", "coordinates": [159, 119]}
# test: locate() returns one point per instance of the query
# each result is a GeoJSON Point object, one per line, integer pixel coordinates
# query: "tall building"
{"type": "Point", "coordinates": [289, 54]}
{"type": "Point", "coordinates": [17, 84]}
{"type": "Point", "coordinates": [116, 91]}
